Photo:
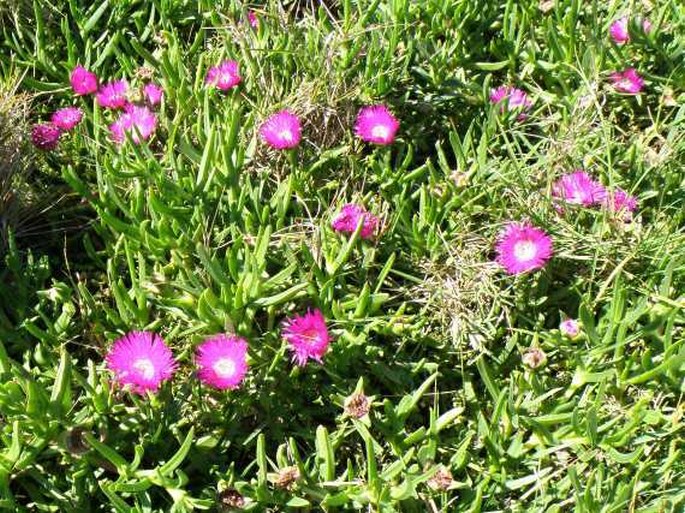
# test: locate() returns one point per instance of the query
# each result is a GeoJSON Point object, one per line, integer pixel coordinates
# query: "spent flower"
{"type": "Point", "coordinates": [45, 136]}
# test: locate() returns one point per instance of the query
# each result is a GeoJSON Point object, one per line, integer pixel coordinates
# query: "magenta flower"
{"type": "Point", "coordinates": [646, 26]}
{"type": "Point", "coordinates": [569, 328]}
{"type": "Point", "coordinates": [139, 121]}
{"type": "Point", "coordinates": [152, 94]}
{"type": "Point", "coordinates": [619, 201]}
{"type": "Point", "coordinates": [252, 19]}
{"type": "Point", "coordinates": [349, 217]}
{"type": "Point", "coordinates": [224, 76]}
{"type": "Point", "coordinates": [45, 136]}
{"type": "Point", "coordinates": [281, 130]}
{"type": "Point", "coordinates": [619, 31]}
{"type": "Point", "coordinates": [67, 118]}
{"type": "Point", "coordinates": [627, 81]}
{"type": "Point", "coordinates": [113, 95]}
{"type": "Point", "coordinates": [499, 94]}
{"type": "Point", "coordinates": [141, 360]}
{"type": "Point", "coordinates": [83, 81]}
{"type": "Point", "coordinates": [511, 99]}
{"type": "Point", "coordinates": [222, 360]}
{"type": "Point", "coordinates": [375, 124]}
{"type": "Point", "coordinates": [523, 247]}
{"type": "Point", "coordinates": [577, 188]}
{"type": "Point", "coordinates": [307, 336]}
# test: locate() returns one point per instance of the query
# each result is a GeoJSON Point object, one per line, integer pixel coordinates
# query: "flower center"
{"type": "Point", "coordinates": [286, 134]}
{"type": "Point", "coordinates": [380, 131]}
{"type": "Point", "coordinates": [311, 336]}
{"type": "Point", "coordinates": [144, 367]}
{"type": "Point", "coordinates": [224, 367]}
{"type": "Point", "coordinates": [524, 250]}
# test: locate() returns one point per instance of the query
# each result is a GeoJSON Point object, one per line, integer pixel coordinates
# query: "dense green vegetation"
{"type": "Point", "coordinates": [478, 401]}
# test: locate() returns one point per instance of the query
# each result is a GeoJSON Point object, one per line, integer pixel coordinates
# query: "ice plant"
{"type": "Point", "coordinates": [67, 118]}
{"type": "Point", "coordinates": [83, 81]}
{"type": "Point", "coordinates": [222, 361]}
{"type": "Point", "coordinates": [569, 328]}
{"type": "Point", "coordinates": [113, 95]}
{"type": "Point", "coordinates": [375, 124]}
{"type": "Point", "coordinates": [619, 201]}
{"type": "Point", "coordinates": [224, 76]}
{"type": "Point", "coordinates": [511, 99]}
{"type": "Point", "coordinates": [139, 121]}
{"type": "Point", "coordinates": [619, 30]}
{"type": "Point", "coordinates": [349, 217]}
{"type": "Point", "coordinates": [307, 336]}
{"type": "Point", "coordinates": [627, 81]}
{"type": "Point", "coordinates": [45, 136]}
{"type": "Point", "coordinates": [141, 360]}
{"type": "Point", "coordinates": [281, 130]}
{"type": "Point", "coordinates": [577, 188]}
{"type": "Point", "coordinates": [523, 247]}
{"type": "Point", "coordinates": [152, 93]}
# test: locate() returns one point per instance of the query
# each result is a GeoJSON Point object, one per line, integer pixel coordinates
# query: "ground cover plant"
{"type": "Point", "coordinates": [342, 256]}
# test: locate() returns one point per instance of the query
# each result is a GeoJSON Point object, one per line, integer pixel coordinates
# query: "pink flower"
{"type": "Point", "coordinates": [349, 217]}
{"type": "Point", "coordinates": [569, 328]}
{"type": "Point", "coordinates": [83, 81]}
{"type": "Point", "coordinates": [307, 336]}
{"type": "Point", "coordinates": [499, 94]}
{"type": "Point", "coordinates": [152, 93]}
{"type": "Point", "coordinates": [619, 31]}
{"type": "Point", "coordinates": [252, 19]}
{"type": "Point", "coordinates": [516, 99]}
{"type": "Point", "coordinates": [646, 26]}
{"type": "Point", "coordinates": [113, 95]}
{"type": "Point", "coordinates": [523, 247]}
{"type": "Point", "coordinates": [619, 201]}
{"type": "Point", "coordinates": [224, 76]}
{"type": "Point", "coordinates": [577, 188]}
{"type": "Point", "coordinates": [45, 136]}
{"type": "Point", "coordinates": [222, 361]}
{"type": "Point", "coordinates": [375, 124]}
{"type": "Point", "coordinates": [67, 118]}
{"type": "Point", "coordinates": [141, 360]}
{"type": "Point", "coordinates": [627, 81]}
{"type": "Point", "coordinates": [139, 121]}
{"type": "Point", "coordinates": [281, 130]}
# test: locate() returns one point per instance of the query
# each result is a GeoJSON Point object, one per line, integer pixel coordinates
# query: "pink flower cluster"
{"type": "Point", "coordinates": [46, 136]}
{"type": "Point", "coordinates": [141, 361]}
{"type": "Point", "coordinates": [135, 120]}
{"type": "Point", "coordinates": [375, 124]}
{"type": "Point", "coordinates": [627, 81]}
{"type": "Point", "coordinates": [522, 247]}
{"type": "Point", "coordinates": [580, 188]}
